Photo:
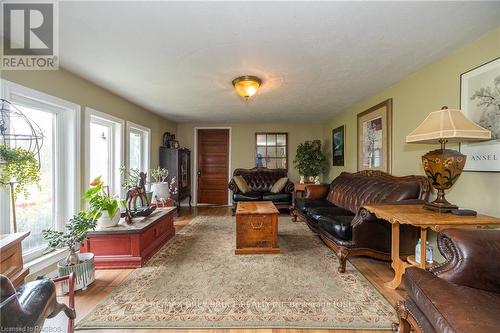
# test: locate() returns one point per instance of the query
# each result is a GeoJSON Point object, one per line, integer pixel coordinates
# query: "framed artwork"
{"type": "Point", "coordinates": [375, 137]}
{"type": "Point", "coordinates": [338, 141]}
{"type": "Point", "coordinates": [480, 102]}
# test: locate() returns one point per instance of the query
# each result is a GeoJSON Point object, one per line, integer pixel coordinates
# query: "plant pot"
{"type": "Point", "coordinates": [84, 271]}
{"type": "Point", "coordinates": [160, 190]}
{"type": "Point", "coordinates": [105, 221]}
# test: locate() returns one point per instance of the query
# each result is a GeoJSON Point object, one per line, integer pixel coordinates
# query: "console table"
{"type": "Point", "coordinates": [11, 258]}
{"type": "Point", "coordinates": [130, 245]}
{"type": "Point", "coordinates": [424, 219]}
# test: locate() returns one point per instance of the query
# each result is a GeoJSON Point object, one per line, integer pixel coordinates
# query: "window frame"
{"type": "Point", "coordinates": [276, 158]}
{"type": "Point", "coordinates": [117, 147]}
{"type": "Point", "coordinates": [146, 145]}
{"type": "Point", "coordinates": [67, 173]}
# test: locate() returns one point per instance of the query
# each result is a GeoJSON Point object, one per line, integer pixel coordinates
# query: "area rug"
{"type": "Point", "coordinates": [196, 281]}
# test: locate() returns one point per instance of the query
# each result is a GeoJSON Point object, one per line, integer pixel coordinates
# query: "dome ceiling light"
{"type": "Point", "coordinates": [246, 86]}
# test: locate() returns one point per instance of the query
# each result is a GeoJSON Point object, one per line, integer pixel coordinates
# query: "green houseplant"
{"type": "Point", "coordinates": [102, 207]}
{"type": "Point", "coordinates": [310, 160]}
{"type": "Point", "coordinates": [81, 264]}
{"type": "Point", "coordinates": [20, 166]}
{"type": "Point", "coordinates": [159, 185]}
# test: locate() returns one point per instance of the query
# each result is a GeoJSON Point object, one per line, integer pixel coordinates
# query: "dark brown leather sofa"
{"type": "Point", "coordinates": [334, 213]}
{"type": "Point", "coordinates": [260, 181]}
{"type": "Point", "coordinates": [460, 296]}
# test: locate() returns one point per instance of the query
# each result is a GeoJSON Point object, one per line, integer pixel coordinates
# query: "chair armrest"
{"type": "Point", "coordinates": [71, 298]}
{"type": "Point", "coordinates": [232, 186]}
{"type": "Point", "coordinates": [289, 187]}
{"type": "Point", "coordinates": [316, 192]}
{"type": "Point", "coordinates": [471, 258]}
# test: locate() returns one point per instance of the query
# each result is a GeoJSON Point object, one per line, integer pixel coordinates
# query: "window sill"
{"type": "Point", "coordinates": [45, 264]}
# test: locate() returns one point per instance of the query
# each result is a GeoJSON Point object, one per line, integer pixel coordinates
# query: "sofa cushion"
{"type": "Point", "coordinates": [242, 184]}
{"type": "Point", "coordinates": [247, 196]}
{"type": "Point", "coordinates": [450, 307]}
{"type": "Point", "coordinates": [337, 226]}
{"type": "Point", "coordinates": [317, 212]}
{"type": "Point", "coordinates": [279, 185]}
{"type": "Point", "coordinates": [304, 205]}
{"type": "Point", "coordinates": [277, 197]}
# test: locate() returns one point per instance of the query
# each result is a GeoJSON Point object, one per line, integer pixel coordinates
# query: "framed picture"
{"type": "Point", "coordinates": [480, 102]}
{"type": "Point", "coordinates": [375, 137]}
{"type": "Point", "coordinates": [338, 140]}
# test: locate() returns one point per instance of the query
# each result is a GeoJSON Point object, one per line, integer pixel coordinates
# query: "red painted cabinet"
{"type": "Point", "coordinates": [130, 246]}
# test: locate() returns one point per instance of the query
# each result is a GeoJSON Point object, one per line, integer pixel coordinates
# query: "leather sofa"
{"type": "Point", "coordinates": [334, 213]}
{"type": "Point", "coordinates": [260, 181]}
{"type": "Point", "coordinates": [462, 295]}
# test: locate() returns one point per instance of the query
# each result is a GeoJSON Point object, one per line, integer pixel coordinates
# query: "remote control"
{"type": "Point", "coordinates": [464, 212]}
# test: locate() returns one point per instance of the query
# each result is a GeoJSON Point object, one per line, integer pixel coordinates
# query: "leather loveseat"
{"type": "Point", "coordinates": [260, 181]}
{"type": "Point", "coordinates": [334, 213]}
{"type": "Point", "coordinates": [462, 295]}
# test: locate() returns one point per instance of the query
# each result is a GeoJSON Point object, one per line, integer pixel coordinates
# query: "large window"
{"type": "Point", "coordinates": [271, 150]}
{"type": "Point", "coordinates": [104, 154]}
{"type": "Point", "coordinates": [57, 198]}
{"type": "Point", "coordinates": [138, 146]}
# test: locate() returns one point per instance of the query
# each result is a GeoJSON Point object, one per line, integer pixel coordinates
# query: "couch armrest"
{"type": "Point", "coordinates": [232, 186]}
{"type": "Point", "coordinates": [316, 192]}
{"type": "Point", "coordinates": [471, 258]}
{"type": "Point", "coordinates": [289, 187]}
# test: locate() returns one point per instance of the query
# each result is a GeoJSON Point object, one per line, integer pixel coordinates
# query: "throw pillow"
{"type": "Point", "coordinates": [279, 185]}
{"type": "Point", "coordinates": [242, 184]}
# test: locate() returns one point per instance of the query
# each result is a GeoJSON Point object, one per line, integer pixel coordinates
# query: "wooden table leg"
{"type": "Point", "coordinates": [423, 247]}
{"type": "Point", "coordinates": [397, 264]}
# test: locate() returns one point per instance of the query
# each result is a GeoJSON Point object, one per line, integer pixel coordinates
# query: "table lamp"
{"type": "Point", "coordinates": [444, 166]}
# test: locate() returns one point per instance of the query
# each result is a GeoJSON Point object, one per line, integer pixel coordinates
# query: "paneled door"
{"type": "Point", "coordinates": [213, 166]}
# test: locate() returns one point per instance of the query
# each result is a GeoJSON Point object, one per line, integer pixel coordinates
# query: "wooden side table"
{"type": "Point", "coordinates": [424, 219]}
{"type": "Point", "coordinates": [301, 187]}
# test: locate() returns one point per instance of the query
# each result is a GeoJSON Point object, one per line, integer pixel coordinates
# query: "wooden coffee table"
{"type": "Point", "coordinates": [256, 228]}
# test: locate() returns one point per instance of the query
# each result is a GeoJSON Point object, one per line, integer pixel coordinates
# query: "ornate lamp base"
{"type": "Point", "coordinates": [440, 205]}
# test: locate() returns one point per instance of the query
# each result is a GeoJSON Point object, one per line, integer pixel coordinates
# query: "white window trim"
{"type": "Point", "coordinates": [118, 154]}
{"type": "Point", "coordinates": [146, 145]}
{"type": "Point", "coordinates": [67, 160]}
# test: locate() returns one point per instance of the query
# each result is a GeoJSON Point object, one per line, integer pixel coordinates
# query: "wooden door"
{"type": "Point", "coordinates": [213, 166]}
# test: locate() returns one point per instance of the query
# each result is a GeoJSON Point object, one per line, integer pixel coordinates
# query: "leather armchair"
{"type": "Point", "coordinates": [260, 181]}
{"type": "Point", "coordinates": [462, 295]}
{"type": "Point", "coordinates": [337, 216]}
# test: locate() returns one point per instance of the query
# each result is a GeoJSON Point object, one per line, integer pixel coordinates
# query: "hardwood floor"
{"type": "Point", "coordinates": [377, 272]}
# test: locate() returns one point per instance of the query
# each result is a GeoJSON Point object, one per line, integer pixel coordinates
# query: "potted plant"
{"type": "Point", "coordinates": [159, 185]}
{"type": "Point", "coordinates": [82, 264]}
{"type": "Point", "coordinates": [19, 166]}
{"type": "Point", "coordinates": [103, 208]}
{"type": "Point", "coordinates": [310, 160]}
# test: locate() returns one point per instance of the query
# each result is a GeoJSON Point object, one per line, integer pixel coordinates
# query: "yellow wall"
{"type": "Point", "coordinates": [413, 98]}
{"type": "Point", "coordinates": [66, 85]}
{"type": "Point", "coordinates": [243, 140]}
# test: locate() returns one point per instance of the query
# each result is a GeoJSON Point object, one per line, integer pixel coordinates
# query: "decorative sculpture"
{"type": "Point", "coordinates": [134, 193]}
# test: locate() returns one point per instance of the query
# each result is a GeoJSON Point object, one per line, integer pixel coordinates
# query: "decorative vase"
{"type": "Point", "coordinates": [160, 191]}
{"type": "Point", "coordinates": [84, 271]}
{"type": "Point", "coordinates": [310, 179]}
{"type": "Point", "coordinates": [105, 221]}
{"type": "Point", "coordinates": [302, 179]}
{"type": "Point", "coordinates": [316, 180]}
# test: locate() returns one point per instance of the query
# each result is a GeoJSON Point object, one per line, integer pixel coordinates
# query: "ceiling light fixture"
{"type": "Point", "coordinates": [246, 86]}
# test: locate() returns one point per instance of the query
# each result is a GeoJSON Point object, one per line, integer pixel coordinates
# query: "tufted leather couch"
{"type": "Point", "coordinates": [260, 181]}
{"type": "Point", "coordinates": [462, 295]}
{"type": "Point", "coordinates": [334, 212]}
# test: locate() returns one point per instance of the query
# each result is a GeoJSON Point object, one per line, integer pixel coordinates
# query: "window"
{"type": "Point", "coordinates": [104, 154]}
{"type": "Point", "coordinates": [271, 150]}
{"type": "Point", "coordinates": [58, 197]}
{"type": "Point", "coordinates": [138, 146]}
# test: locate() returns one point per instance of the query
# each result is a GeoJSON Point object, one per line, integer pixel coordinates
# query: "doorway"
{"type": "Point", "coordinates": [212, 166]}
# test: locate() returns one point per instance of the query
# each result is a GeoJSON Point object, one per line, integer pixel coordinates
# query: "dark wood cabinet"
{"type": "Point", "coordinates": [178, 163]}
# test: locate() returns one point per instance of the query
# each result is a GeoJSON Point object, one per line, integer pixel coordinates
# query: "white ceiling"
{"type": "Point", "coordinates": [316, 59]}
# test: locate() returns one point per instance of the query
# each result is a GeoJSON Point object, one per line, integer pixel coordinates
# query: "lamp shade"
{"type": "Point", "coordinates": [448, 124]}
{"type": "Point", "coordinates": [246, 86]}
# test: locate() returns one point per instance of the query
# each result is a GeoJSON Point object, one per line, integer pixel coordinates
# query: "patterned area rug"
{"type": "Point", "coordinates": [196, 281]}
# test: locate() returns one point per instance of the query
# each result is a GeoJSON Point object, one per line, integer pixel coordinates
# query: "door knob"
{"type": "Point", "coordinates": [199, 173]}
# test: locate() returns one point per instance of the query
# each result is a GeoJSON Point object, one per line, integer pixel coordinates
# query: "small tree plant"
{"type": "Point", "coordinates": [76, 232]}
{"type": "Point", "coordinates": [310, 160]}
{"type": "Point", "coordinates": [158, 174]}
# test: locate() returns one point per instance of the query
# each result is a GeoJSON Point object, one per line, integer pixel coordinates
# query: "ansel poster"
{"type": "Point", "coordinates": [480, 101]}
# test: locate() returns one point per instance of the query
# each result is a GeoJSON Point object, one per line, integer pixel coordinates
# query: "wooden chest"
{"type": "Point", "coordinates": [130, 246]}
{"type": "Point", "coordinates": [256, 228]}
